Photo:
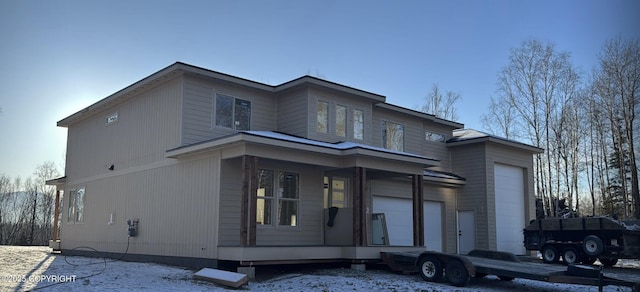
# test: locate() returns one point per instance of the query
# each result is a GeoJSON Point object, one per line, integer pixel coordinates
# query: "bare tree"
{"type": "Point", "coordinates": [617, 87]}
{"type": "Point", "coordinates": [441, 105]}
{"type": "Point", "coordinates": [534, 86]}
{"type": "Point", "coordinates": [501, 119]}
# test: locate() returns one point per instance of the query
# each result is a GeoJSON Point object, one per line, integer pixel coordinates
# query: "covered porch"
{"type": "Point", "coordinates": [354, 166]}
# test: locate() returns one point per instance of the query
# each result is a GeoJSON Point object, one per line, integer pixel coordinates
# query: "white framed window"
{"type": "Point", "coordinates": [336, 192]}
{"type": "Point", "coordinates": [111, 119]}
{"type": "Point", "coordinates": [392, 136]}
{"type": "Point", "coordinates": [434, 137]}
{"type": "Point", "coordinates": [323, 117]}
{"type": "Point", "coordinates": [278, 198]}
{"type": "Point", "coordinates": [341, 120]}
{"type": "Point", "coordinates": [75, 208]}
{"type": "Point", "coordinates": [231, 112]}
{"type": "Point", "coordinates": [358, 124]}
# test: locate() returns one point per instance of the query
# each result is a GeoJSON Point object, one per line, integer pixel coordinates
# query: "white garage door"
{"type": "Point", "coordinates": [510, 212]}
{"type": "Point", "coordinates": [399, 217]}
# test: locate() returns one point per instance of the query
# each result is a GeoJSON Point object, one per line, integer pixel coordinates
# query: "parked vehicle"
{"type": "Point", "coordinates": [584, 239]}
{"type": "Point", "coordinates": [459, 269]}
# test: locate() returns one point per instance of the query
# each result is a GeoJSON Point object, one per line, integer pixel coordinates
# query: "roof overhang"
{"type": "Point", "coordinates": [496, 140]}
{"type": "Point", "coordinates": [57, 181]}
{"type": "Point", "coordinates": [279, 146]}
{"type": "Point", "coordinates": [421, 115]}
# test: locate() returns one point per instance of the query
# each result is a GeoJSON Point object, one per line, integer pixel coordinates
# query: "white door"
{"type": "Point", "coordinates": [433, 225]}
{"type": "Point", "coordinates": [466, 231]}
{"type": "Point", "coordinates": [399, 217]}
{"type": "Point", "coordinates": [510, 208]}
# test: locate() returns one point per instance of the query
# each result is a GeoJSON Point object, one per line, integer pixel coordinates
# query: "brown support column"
{"type": "Point", "coordinates": [418, 210]}
{"type": "Point", "coordinates": [55, 216]}
{"type": "Point", "coordinates": [359, 207]}
{"type": "Point", "coordinates": [253, 197]}
{"type": "Point", "coordinates": [244, 201]}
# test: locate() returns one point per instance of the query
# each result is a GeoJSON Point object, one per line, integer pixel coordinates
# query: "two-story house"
{"type": "Point", "coordinates": [214, 167]}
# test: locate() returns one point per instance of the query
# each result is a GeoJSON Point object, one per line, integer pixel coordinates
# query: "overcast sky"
{"type": "Point", "coordinates": [58, 57]}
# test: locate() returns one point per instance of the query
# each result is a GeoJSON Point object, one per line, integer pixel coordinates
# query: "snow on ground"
{"type": "Point", "coordinates": [36, 268]}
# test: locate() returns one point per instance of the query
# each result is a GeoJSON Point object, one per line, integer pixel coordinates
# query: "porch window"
{"type": "Point", "coordinates": [232, 113]}
{"type": "Point", "coordinates": [287, 187]}
{"type": "Point", "coordinates": [358, 124]}
{"type": "Point", "coordinates": [265, 197]}
{"type": "Point", "coordinates": [323, 117]}
{"type": "Point", "coordinates": [341, 120]}
{"type": "Point", "coordinates": [392, 136]}
{"type": "Point", "coordinates": [75, 211]}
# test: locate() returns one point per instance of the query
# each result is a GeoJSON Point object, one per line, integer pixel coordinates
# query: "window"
{"type": "Point", "coordinates": [358, 124]}
{"type": "Point", "coordinates": [76, 205]}
{"type": "Point", "coordinates": [336, 192]}
{"type": "Point", "coordinates": [323, 117]}
{"type": "Point", "coordinates": [233, 113]}
{"type": "Point", "coordinates": [341, 120]}
{"type": "Point", "coordinates": [287, 200]}
{"type": "Point", "coordinates": [392, 136]}
{"type": "Point", "coordinates": [112, 119]}
{"type": "Point", "coordinates": [265, 197]}
{"type": "Point", "coordinates": [434, 137]}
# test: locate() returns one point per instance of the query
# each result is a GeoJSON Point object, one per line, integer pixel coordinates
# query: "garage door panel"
{"type": "Point", "coordinates": [509, 204]}
{"type": "Point", "coordinates": [399, 218]}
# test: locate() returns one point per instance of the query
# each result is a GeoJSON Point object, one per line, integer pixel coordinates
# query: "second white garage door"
{"type": "Point", "coordinates": [510, 215]}
{"type": "Point", "coordinates": [399, 216]}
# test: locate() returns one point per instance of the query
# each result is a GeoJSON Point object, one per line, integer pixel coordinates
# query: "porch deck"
{"type": "Point", "coordinates": [264, 255]}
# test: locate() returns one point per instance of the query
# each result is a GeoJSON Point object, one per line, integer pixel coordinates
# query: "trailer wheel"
{"type": "Point", "coordinates": [430, 269]}
{"type": "Point", "coordinates": [608, 262]}
{"type": "Point", "coordinates": [570, 256]}
{"type": "Point", "coordinates": [592, 245]}
{"type": "Point", "coordinates": [550, 254]}
{"type": "Point", "coordinates": [457, 273]}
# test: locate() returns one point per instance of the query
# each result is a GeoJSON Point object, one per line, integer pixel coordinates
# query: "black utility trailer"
{"type": "Point", "coordinates": [459, 269]}
{"type": "Point", "coordinates": [583, 240]}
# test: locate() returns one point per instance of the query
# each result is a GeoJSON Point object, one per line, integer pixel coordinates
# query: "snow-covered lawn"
{"type": "Point", "coordinates": [36, 268]}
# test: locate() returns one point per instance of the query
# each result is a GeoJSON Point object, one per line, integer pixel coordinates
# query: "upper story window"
{"type": "Point", "coordinates": [434, 137]}
{"type": "Point", "coordinates": [358, 124]}
{"type": "Point", "coordinates": [112, 119]}
{"type": "Point", "coordinates": [323, 117]}
{"type": "Point", "coordinates": [341, 120]}
{"type": "Point", "coordinates": [392, 136]}
{"type": "Point", "coordinates": [233, 113]}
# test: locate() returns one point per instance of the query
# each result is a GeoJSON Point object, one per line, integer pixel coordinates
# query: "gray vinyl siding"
{"type": "Point", "coordinates": [198, 109]}
{"type": "Point", "coordinates": [470, 162]}
{"type": "Point", "coordinates": [147, 126]}
{"type": "Point", "coordinates": [176, 203]}
{"type": "Point", "coordinates": [292, 112]}
{"type": "Point", "coordinates": [230, 201]}
{"type": "Point", "coordinates": [432, 192]}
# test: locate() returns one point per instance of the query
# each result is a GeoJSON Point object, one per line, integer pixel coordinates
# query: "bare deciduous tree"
{"type": "Point", "coordinates": [441, 105]}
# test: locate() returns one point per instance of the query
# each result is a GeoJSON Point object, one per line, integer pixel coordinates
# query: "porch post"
{"type": "Point", "coordinates": [359, 207]}
{"type": "Point", "coordinates": [418, 210]}
{"type": "Point", "coordinates": [56, 213]}
{"type": "Point", "coordinates": [248, 205]}
{"type": "Point", "coordinates": [244, 202]}
{"type": "Point", "coordinates": [253, 198]}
